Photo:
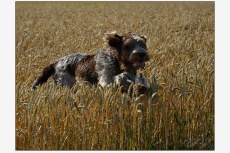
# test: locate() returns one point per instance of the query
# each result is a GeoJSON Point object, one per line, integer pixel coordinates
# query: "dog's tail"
{"type": "Point", "coordinates": [46, 73]}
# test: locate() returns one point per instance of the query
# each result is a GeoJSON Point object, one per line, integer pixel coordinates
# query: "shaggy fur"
{"type": "Point", "coordinates": [117, 63]}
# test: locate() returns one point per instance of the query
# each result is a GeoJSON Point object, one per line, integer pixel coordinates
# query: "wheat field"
{"type": "Point", "coordinates": [178, 113]}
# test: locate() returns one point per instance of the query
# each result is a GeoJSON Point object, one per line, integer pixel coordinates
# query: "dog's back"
{"type": "Point", "coordinates": [68, 69]}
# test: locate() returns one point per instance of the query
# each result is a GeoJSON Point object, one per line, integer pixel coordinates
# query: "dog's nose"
{"type": "Point", "coordinates": [141, 55]}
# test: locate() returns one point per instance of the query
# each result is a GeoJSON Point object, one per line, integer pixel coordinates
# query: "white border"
{"type": "Point", "coordinates": [7, 76]}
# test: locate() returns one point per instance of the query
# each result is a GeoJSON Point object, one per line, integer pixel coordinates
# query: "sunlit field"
{"type": "Point", "coordinates": [176, 114]}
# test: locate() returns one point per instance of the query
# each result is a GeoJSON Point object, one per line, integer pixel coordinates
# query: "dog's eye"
{"type": "Point", "coordinates": [128, 47]}
{"type": "Point", "coordinates": [142, 44]}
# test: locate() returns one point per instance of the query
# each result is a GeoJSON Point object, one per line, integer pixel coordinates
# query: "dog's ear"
{"type": "Point", "coordinates": [113, 40]}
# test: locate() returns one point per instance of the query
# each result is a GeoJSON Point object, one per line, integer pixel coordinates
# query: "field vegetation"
{"type": "Point", "coordinates": [178, 113]}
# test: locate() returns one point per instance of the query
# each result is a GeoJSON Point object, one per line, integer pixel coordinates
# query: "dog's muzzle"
{"type": "Point", "coordinates": [138, 57]}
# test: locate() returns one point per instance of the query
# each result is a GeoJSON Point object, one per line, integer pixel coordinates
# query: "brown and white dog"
{"type": "Point", "coordinates": [117, 63]}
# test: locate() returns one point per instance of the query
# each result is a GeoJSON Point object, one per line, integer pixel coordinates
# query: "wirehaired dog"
{"type": "Point", "coordinates": [116, 64]}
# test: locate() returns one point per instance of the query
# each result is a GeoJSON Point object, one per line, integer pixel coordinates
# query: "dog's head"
{"type": "Point", "coordinates": [131, 48]}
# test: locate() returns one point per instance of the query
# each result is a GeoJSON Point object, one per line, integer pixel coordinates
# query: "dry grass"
{"type": "Point", "coordinates": [181, 43]}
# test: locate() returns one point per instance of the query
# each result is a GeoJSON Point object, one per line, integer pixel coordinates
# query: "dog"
{"type": "Point", "coordinates": [118, 63]}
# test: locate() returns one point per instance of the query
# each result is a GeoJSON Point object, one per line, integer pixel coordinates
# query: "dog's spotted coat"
{"type": "Point", "coordinates": [117, 63]}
